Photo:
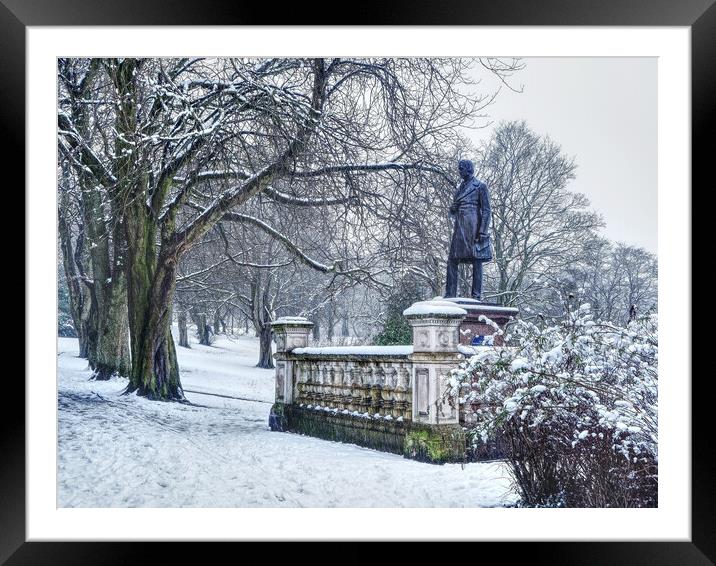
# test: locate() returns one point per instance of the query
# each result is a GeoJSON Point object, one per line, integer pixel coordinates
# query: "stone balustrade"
{"type": "Point", "coordinates": [385, 397]}
{"type": "Point", "coordinates": [354, 382]}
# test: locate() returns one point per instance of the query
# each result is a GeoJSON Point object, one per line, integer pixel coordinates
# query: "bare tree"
{"type": "Point", "coordinates": [538, 224]}
{"type": "Point", "coordinates": [189, 143]}
{"type": "Point", "coordinates": [617, 280]}
{"type": "Point", "coordinates": [71, 237]}
{"type": "Point", "coordinates": [104, 336]}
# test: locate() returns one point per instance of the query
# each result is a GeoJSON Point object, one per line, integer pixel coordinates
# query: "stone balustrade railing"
{"type": "Point", "coordinates": [354, 381]}
{"type": "Point", "coordinates": [386, 397]}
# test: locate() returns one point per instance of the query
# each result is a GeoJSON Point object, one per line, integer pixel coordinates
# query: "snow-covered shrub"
{"type": "Point", "coordinates": [574, 403]}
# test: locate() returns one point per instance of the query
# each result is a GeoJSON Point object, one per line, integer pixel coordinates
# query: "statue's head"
{"type": "Point", "coordinates": [466, 168]}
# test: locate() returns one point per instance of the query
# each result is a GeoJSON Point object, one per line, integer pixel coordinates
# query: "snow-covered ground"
{"type": "Point", "coordinates": [119, 450]}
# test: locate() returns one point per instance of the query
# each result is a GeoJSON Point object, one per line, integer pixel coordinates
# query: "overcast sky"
{"type": "Point", "coordinates": [602, 111]}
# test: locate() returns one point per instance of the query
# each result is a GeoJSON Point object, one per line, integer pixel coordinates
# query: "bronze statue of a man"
{"type": "Point", "coordinates": [471, 235]}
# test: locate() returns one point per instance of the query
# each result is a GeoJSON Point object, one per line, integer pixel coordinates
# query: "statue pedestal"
{"type": "Point", "coordinates": [474, 329]}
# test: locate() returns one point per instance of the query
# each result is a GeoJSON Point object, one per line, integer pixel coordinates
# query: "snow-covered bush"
{"type": "Point", "coordinates": [574, 404]}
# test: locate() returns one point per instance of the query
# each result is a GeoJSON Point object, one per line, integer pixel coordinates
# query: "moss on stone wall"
{"type": "Point", "coordinates": [435, 443]}
{"type": "Point", "coordinates": [371, 433]}
{"type": "Point", "coordinates": [427, 443]}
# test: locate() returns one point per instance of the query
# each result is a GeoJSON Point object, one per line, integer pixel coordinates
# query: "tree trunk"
{"type": "Point", "coordinates": [151, 276]}
{"type": "Point", "coordinates": [202, 329]}
{"type": "Point", "coordinates": [502, 289]}
{"type": "Point", "coordinates": [80, 288]}
{"type": "Point", "coordinates": [78, 294]}
{"type": "Point", "coordinates": [183, 330]}
{"type": "Point", "coordinates": [344, 327]}
{"type": "Point", "coordinates": [437, 282]}
{"type": "Point", "coordinates": [107, 345]}
{"type": "Point", "coordinates": [316, 330]}
{"type": "Point", "coordinates": [111, 355]}
{"type": "Point", "coordinates": [217, 322]}
{"type": "Point", "coordinates": [99, 304]}
{"type": "Point", "coordinates": [84, 341]}
{"type": "Point", "coordinates": [331, 322]}
{"type": "Point", "coordinates": [155, 370]}
{"type": "Point", "coordinates": [265, 354]}
{"type": "Point", "coordinates": [151, 281]}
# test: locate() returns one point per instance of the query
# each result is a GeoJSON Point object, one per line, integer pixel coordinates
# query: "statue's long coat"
{"type": "Point", "coordinates": [471, 210]}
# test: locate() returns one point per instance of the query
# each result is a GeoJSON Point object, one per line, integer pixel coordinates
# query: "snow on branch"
{"type": "Point", "coordinates": [229, 258]}
{"type": "Point", "coordinates": [290, 246]}
{"type": "Point", "coordinates": [263, 178]}
{"type": "Point", "coordinates": [385, 166]}
{"type": "Point", "coordinates": [274, 194]}
{"type": "Point", "coordinates": [88, 158]}
{"type": "Point", "coordinates": [287, 199]}
{"type": "Point", "coordinates": [283, 198]}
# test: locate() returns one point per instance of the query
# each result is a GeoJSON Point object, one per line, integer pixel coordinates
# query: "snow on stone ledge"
{"type": "Point", "coordinates": [291, 320]}
{"type": "Point", "coordinates": [435, 307]}
{"type": "Point", "coordinates": [473, 304]}
{"type": "Point", "coordinates": [469, 351]}
{"type": "Point", "coordinates": [355, 350]}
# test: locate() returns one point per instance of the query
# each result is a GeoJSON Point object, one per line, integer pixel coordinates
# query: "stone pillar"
{"type": "Point", "coordinates": [435, 327]}
{"type": "Point", "coordinates": [289, 333]}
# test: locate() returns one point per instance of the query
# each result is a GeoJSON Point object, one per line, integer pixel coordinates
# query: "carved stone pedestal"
{"type": "Point", "coordinates": [474, 328]}
{"type": "Point", "coordinates": [437, 434]}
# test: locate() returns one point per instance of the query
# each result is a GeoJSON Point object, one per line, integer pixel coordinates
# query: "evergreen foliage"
{"type": "Point", "coordinates": [396, 330]}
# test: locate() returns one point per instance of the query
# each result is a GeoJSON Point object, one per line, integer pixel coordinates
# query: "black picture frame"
{"type": "Point", "coordinates": [699, 15]}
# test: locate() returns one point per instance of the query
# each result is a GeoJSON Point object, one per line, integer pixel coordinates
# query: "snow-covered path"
{"type": "Point", "coordinates": [124, 451]}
